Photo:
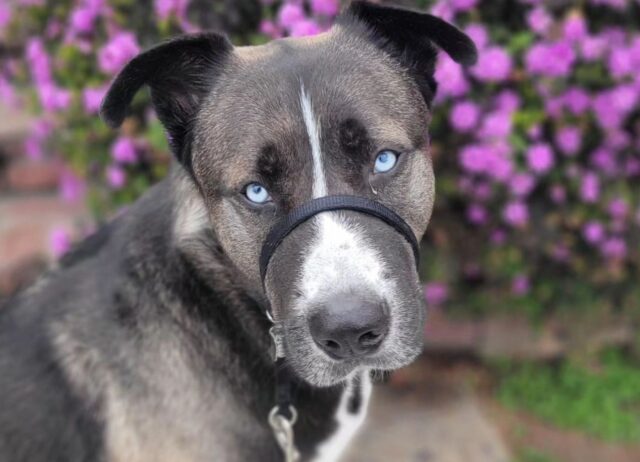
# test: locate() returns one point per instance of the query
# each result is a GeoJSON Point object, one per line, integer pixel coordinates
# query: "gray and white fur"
{"type": "Point", "coordinates": [149, 341]}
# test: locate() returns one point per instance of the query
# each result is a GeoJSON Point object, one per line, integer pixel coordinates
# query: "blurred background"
{"type": "Point", "coordinates": [531, 262]}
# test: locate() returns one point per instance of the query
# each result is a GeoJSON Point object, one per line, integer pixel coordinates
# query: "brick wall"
{"type": "Point", "coordinates": [30, 207]}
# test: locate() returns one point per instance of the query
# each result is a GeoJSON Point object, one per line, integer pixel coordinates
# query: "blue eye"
{"type": "Point", "coordinates": [385, 161]}
{"type": "Point", "coordinates": [257, 193]}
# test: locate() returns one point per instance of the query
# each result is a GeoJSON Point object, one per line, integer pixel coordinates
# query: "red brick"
{"type": "Point", "coordinates": [26, 224]}
{"type": "Point", "coordinates": [26, 175]}
{"type": "Point", "coordinates": [20, 274]}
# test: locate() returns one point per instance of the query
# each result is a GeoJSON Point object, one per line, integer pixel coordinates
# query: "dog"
{"type": "Point", "coordinates": [149, 341]}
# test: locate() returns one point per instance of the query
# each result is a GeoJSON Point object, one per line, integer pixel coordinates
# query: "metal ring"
{"type": "Point", "coordinates": [274, 413]}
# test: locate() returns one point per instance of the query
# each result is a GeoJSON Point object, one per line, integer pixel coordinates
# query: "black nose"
{"type": "Point", "coordinates": [349, 326]}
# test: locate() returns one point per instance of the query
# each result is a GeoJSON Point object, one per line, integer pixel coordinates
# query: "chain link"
{"type": "Point", "coordinates": [283, 432]}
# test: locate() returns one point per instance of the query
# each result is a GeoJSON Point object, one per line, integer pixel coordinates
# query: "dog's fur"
{"type": "Point", "coordinates": [149, 342]}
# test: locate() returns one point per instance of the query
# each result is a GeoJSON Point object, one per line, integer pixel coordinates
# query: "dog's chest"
{"type": "Point", "coordinates": [349, 417]}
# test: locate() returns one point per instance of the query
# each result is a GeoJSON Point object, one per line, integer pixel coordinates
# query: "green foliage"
{"type": "Point", "coordinates": [604, 403]}
{"type": "Point", "coordinates": [533, 455]}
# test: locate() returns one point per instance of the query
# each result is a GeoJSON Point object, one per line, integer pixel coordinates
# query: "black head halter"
{"type": "Point", "coordinates": [299, 215]}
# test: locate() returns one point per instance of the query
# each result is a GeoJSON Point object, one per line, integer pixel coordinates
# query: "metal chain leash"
{"type": "Point", "coordinates": [281, 424]}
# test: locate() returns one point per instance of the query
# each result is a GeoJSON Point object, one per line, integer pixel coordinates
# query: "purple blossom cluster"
{"type": "Point", "coordinates": [296, 18]}
{"type": "Point", "coordinates": [546, 137]}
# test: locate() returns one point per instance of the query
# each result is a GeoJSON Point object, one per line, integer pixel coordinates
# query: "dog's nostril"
{"type": "Point", "coordinates": [369, 339]}
{"type": "Point", "coordinates": [331, 345]}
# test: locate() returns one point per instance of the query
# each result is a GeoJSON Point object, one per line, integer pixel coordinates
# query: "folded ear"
{"type": "Point", "coordinates": [180, 73]}
{"type": "Point", "coordinates": [410, 37]}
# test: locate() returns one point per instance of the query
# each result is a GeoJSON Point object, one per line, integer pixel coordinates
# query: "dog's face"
{"type": "Point", "coordinates": [265, 129]}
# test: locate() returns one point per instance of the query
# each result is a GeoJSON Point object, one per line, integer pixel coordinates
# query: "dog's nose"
{"type": "Point", "coordinates": [349, 326]}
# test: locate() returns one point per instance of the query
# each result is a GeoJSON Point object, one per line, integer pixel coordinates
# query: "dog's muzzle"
{"type": "Point", "coordinates": [283, 415]}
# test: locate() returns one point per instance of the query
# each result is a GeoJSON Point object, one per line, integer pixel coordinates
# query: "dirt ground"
{"type": "Point", "coordinates": [443, 411]}
{"type": "Point", "coordinates": [422, 418]}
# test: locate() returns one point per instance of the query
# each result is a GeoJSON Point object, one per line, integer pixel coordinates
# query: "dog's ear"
{"type": "Point", "coordinates": [410, 37]}
{"type": "Point", "coordinates": [180, 74]}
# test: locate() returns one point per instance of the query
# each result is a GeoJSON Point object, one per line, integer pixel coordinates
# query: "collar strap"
{"type": "Point", "coordinates": [300, 214]}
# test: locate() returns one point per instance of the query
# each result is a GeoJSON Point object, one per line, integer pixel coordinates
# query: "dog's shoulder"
{"type": "Point", "coordinates": [41, 418]}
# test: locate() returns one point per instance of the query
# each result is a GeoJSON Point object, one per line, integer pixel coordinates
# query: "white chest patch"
{"type": "Point", "coordinates": [347, 421]}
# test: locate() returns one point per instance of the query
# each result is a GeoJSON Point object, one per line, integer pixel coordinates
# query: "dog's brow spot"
{"type": "Point", "coordinates": [270, 164]}
{"type": "Point", "coordinates": [354, 138]}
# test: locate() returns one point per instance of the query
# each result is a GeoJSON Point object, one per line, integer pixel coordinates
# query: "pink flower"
{"type": "Point", "coordinates": [539, 20]}
{"type": "Point", "coordinates": [576, 100]}
{"type": "Point", "coordinates": [478, 33]}
{"type": "Point", "coordinates": [477, 214]}
{"type": "Point", "coordinates": [608, 117]}
{"type": "Point", "coordinates": [516, 214]}
{"type": "Point", "coordinates": [617, 139]}
{"type": "Point", "coordinates": [540, 158]}
{"type": "Point", "coordinates": [92, 99]}
{"type": "Point", "coordinates": [71, 187]}
{"type": "Point", "coordinates": [325, 7]}
{"type": "Point", "coordinates": [5, 17]}
{"type": "Point", "coordinates": [8, 94]}
{"type": "Point", "coordinates": [496, 124]}
{"type": "Point", "coordinates": [558, 194]}
{"type": "Point", "coordinates": [124, 150]}
{"type": "Point", "coordinates": [82, 20]}
{"type": "Point", "coordinates": [443, 10]}
{"type": "Point", "coordinates": [290, 14]}
{"type": "Point", "coordinates": [593, 232]}
{"type": "Point", "coordinates": [473, 158]}
{"type": "Point", "coordinates": [620, 63]}
{"type": "Point", "coordinates": [304, 28]}
{"type": "Point", "coordinates": [116, 177]}
{"type": "Point", "coordinates": [593, 47]}
{"type": "Point", "coordinates": [560, 253]}
{"type": "Point", "coordinates": [507, 101]}
{"type": "Point", "coordinates": [38, 61]}
{"type": "Point", "coordinates": [500, 166]}
{"type": "Point", "coordinates": [590, 188]}
{"type": "Point", "coordinates": [521, 184]}
{"type": "Point", "coordinates": [614, 248]}
{"type": "Point", "coordinates": [165, 8]}
{"type": "Point", "coordinates": [463, 5]}
{"type": "Point", "coordinates": [464, 116]}
{"type": "Point", "coordinates": [604, 160]}
{"type": "Point", "coordinates": [59, 242]}
{"type": "Point", "coordinates": [33, 148]}
{"type": "Point", "coordinates": [550, 59]}
{"type": "Point", "coordinates": [53, 98]}
{"type": "Point", "coordinates": [494, 65]}
{"type": "Point", "coordinates": [632, 167]}
{"type": "Point", "coordinates": [498, 237]}
{"type": "Point", "coordinates": [450, 78]}
{"type": "Point", "coordinates": [270, 29]}
{"type": "Point", "coordinates": [575, 28]}
{"type": "Point", "coordinates": [520, 285]}
{"type": "Point", "coordinates": [618, 209]}
{"type": "Point", "coordinates": [569, 140]}
{"type": "Point", "coordinates": [117, 52]}
{"type": "Point", "coordinates": [436, 293]}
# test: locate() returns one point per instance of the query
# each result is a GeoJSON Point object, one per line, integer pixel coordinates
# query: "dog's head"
{"type": "Point", "coordinates": [264, 129]}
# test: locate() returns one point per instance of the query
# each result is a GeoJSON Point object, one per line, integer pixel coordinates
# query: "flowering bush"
{"type": "Point", "coordinates": [536, 147]}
